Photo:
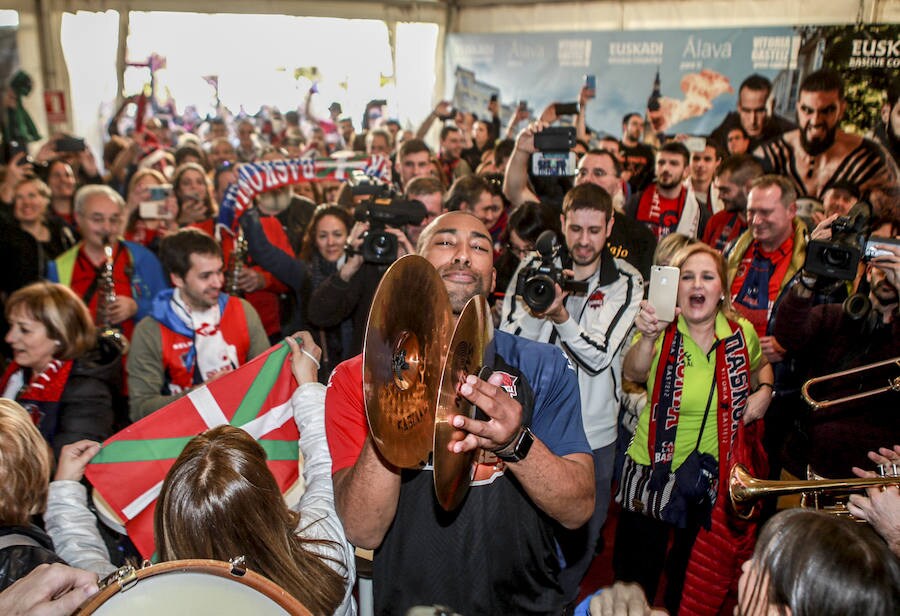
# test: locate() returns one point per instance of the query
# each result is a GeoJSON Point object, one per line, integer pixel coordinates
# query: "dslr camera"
{"type": "Point", "coordinates": [536, 283]}
{"type": "Point", "coordinates": [839, 257]}
{"type": "Point", "coordinates": [382, 208]}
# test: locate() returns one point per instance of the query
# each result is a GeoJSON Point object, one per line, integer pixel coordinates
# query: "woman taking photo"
{"type": "Point", "coordinates": [196, 206]}
{"type": "Point", "coordinates": [63, 184]}
{"type": "Point", "coordinates": [32, 200]}
{"type": "Point", "coordinates": [61, 373]}
{"type": "Point", "coordinates": [699, 370]}
{"type": "Point", "coordinates": [321, 256]}
{"type": "Point", "coordinates": [148, 231]}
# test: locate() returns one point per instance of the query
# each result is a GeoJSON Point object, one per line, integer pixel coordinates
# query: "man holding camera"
{"type": "Point", "coordinates": [590, 329]}
{"type": "Point", "coordinates": [828, 338]}
{"type": "Point", "coordinates": [630, 240]}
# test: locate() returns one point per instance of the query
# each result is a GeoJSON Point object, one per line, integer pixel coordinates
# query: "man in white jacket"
{"type": "Point", "coordinates": [591, 330]}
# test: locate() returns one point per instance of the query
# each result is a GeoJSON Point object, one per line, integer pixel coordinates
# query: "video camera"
{"type": "Point", "coordinates": [383, 208]}
{"type": "Point", "coordinates": [839, 257]}
{"type": "Point", "coordinates": [537, 282]}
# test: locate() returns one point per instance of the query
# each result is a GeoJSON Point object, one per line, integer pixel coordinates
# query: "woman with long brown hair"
{"type": "Point", "coordinates": [220, 500]}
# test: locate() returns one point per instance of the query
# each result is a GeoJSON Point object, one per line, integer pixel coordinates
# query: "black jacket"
{"type": "Point", "coordinates": [18, 560]}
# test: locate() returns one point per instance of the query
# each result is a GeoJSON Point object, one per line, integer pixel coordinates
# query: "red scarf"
{"type": "Point", "coordinates": [40, 396]}
{"type": "Point", "coordinates": [714, 567]}
{"type": "Point", "coordinates": [732, 385]}
{"type": "Point", "coordinates": [661, 215]}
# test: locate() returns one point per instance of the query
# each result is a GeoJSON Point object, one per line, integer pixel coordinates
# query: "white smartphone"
{"type": "Point", "coordinates": [664, 291]}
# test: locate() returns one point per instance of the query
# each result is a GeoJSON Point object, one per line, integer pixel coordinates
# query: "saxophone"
{"type": "Point", "coordinates": [106, 297]}
{"type": "Point", "coordinates": [236, 264]}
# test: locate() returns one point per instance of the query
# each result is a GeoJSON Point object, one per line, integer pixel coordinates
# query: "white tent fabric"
{"type": "Point", "coordinates": [41, 52]}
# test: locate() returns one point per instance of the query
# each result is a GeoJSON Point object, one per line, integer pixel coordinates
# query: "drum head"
{"type": "Point", "coordinates": [194, 588]}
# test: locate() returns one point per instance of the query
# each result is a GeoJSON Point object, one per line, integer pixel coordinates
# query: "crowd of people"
{"type": "Point", "coordinates": [126, 290]}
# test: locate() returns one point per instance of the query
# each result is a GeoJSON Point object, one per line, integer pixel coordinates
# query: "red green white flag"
{"type": "Point", "coordinates": [131, 466]}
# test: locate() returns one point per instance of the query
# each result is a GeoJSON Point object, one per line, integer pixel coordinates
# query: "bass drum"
{"type": "Point", "coordinates": [191, 588]}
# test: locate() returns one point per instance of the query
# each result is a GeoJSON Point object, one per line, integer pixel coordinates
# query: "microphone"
{"type": "Point", "coordinates": [546, 244]}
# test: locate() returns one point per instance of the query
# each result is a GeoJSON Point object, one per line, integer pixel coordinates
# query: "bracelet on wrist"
{"type": "Point", "coordinates": [761, 385]}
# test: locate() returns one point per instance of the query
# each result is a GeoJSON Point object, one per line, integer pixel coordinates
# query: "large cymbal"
{"type": "Point", "coordinates": [465, 355]}
{"type": "Point", "coordinates": [409, 324]}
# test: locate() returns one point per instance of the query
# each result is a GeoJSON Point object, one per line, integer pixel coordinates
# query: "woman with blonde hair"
{"type": "Point", "coordinates": [60, 372]}
{"type": "Point", "coordinates": [699, 371]}
{"type": "Point", "coordinates": [24, 475]}
{"type": "Point", "coordinates": [31, 211]}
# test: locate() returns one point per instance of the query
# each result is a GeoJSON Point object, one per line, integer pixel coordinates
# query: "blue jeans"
{"type": "Point", "coordinates": [577, 546]}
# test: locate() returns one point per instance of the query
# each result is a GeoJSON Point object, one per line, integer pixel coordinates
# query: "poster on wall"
{"type": "Point", "coordinates": [681, 81]}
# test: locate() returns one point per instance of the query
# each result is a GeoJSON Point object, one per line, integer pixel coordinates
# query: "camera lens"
{"type": "Point", "coordinates": [836, 257]}
{"type": "Point", "coordinates": [380, 247]}
{"type": "Point", "coordinates": [380, 244]}
{"type": "Point", "coordinates": [539, 292]}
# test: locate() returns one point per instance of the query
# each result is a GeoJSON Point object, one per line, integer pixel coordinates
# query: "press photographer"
{"type": "Point", "coordinates": [590, 327]}
{"type": "Point", "coordinates": [385, 213]}
{"type": "Point", "coordinates": [376, 240]}
{"type": "Point", "coordinates": [828, 338]}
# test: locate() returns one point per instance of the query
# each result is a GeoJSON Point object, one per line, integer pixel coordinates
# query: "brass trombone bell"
{"type": "Point", "coordinates": [893, 384]}
{"type": "Point", "coordinates": [744, 489]}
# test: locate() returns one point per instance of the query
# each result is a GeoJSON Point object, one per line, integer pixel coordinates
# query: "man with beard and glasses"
{"type": "Point", "coordinates": [496, 553]}
{"type": "Point", "coordinates": [591, 330]}
{"type": "Point", "coordinates": [818, 153]}
{"type": "Point", "coordinates": [666, 206]}
{"type": "Point", "coordinates": [733, 180]}
{"type": "Point", "coordinates": [826, 339]}
{"type": "Point", "coordinates": [194, 333]}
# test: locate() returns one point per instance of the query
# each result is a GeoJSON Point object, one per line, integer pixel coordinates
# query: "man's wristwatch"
{"type": "Point", "coordinates": [518, 448]}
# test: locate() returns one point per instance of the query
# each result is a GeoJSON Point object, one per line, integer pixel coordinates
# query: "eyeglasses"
{"type": "Point", "coordinates": [519, 252]}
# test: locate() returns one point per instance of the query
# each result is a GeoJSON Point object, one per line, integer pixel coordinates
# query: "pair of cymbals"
{"type": "Point", "coordinates": [414, 361]}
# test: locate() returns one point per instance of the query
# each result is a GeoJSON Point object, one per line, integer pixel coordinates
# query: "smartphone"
{"type": "Point", "coordinates": [155, 207]}
{"type": "Point", "coordinates": [664, 291]}
{"type": "Point", "coordinates": [555, 139]}
{"type": "Point", "coordinates": [695, 144]}
{"type": "Point", "coordinates": [494, 97]}
{"type": "Point", "coordinates": [566, 109]}
{"type": "Point", "coordinates": [554, 164]}
{"type": "Point", "coordinates": [70, 144]}
{"type": "Point", "coordinates": [590, 82]}
{"type": "Point", "coordinates": [523, 105]}
{"type": "Point", "coordinates": [873, 252]}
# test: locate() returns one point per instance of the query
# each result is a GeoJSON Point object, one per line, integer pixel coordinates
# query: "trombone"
{"type": "Point", "coordinates": [893, 384]}
{"type": "Point", "coordinates": [744, 489]}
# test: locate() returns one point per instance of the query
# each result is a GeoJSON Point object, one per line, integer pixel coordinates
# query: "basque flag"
{"type": "Point", "coordinates": [129, 470]}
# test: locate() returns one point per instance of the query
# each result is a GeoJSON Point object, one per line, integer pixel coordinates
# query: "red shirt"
{"type": "Point", "coordinates": [266, 300]}
{"type": "Point", "coordinates": [85, 273]}
{"type": "Point", "coordinates": [781, 258]}
{"type": "Point", "coordinates": [660, 214]}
